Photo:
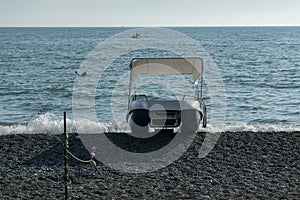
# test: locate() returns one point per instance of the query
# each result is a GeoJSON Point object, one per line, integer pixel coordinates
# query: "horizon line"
{"type": "Point", "coordinates": [146, 26]}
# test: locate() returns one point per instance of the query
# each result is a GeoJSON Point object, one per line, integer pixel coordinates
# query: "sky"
{"type": "Point", "coordinates": [143, 13]}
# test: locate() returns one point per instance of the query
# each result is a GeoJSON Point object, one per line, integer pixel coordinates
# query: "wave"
{"type": "Point", "coordinates": [249, 127]}
{"type": "Point", "coordinates": [51, 124]}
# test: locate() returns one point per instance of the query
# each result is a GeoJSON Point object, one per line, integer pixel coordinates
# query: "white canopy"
{"type": "Point", "coordinates": [158, 66]}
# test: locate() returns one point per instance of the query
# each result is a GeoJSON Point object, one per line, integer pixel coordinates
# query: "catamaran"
{"type": "Point", "coordinates": [183, 115]}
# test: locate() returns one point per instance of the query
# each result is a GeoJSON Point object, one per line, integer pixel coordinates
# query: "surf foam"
{"type": "Point", "coordinates": [50, 124]}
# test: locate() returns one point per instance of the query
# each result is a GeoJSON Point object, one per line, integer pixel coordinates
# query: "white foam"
{"type": "Point", "coordinates": [249, 127]}
{"type": "Point", "coordinates": [49, 123]}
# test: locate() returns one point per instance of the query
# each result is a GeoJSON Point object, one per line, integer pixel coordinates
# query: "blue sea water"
{"type": "Point", "coordinates": [260, 68]}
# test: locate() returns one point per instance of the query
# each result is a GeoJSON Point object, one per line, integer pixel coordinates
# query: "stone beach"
{"type": "Point", "coordinates": [241, 165]}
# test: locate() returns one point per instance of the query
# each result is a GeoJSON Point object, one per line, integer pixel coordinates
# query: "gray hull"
{"type": "Point", "coordinates": [139, 121]}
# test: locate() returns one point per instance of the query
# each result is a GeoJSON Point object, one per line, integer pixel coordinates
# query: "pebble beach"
{"type": "Point", "coordinates": [241, 165]}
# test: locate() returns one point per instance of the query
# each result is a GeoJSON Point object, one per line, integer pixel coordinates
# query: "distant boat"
{"type": "Point", "coordinates": [136, 35]}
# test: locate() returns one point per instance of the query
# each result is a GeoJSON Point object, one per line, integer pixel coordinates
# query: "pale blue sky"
{"type": "Point", "coordinates": [149, 12]}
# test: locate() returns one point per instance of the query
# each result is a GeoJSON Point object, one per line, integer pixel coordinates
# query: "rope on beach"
{"type": "Point", "coordinates": [65, 140]}
{"type": "Point", "coordinates": [91, 160]}
{"type": "Point", "coordinates": [69, 181]}
{"type": "Point", "coordinates": [85, 161]}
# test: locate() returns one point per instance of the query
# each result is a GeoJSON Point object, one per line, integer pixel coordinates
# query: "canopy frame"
{"type": "Point", "coordinates": [157, 66]}
{"type": "Point", "coordinates": [161, 66]}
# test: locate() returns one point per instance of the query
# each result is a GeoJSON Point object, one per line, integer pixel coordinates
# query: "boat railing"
{"type": "Point", "coordinates": [188, 96]}
{"type": "Point", "coordinates": [203, 107]}
{"type": "Point", "coordinates": [135, 97]}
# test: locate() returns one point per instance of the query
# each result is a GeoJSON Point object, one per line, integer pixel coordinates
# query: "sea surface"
{"type": "Point", "coordinates": [259, 66]}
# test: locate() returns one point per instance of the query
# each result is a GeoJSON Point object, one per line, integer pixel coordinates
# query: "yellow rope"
{"type": "Point", "coordinates": [85, 161]}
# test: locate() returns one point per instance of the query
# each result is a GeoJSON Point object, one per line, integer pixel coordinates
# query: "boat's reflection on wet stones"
{"type": "Point", "coordinates": [141, 145]}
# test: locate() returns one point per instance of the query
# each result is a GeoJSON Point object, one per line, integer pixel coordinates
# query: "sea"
{"type": "Point", "coordinates": [259, 68]}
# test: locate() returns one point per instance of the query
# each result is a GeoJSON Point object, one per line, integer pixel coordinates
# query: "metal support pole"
{"type": "Point", "coordinates": [66, 145]}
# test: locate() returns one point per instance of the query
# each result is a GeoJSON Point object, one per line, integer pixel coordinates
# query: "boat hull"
{"type": "Point", "coordinates": [138, 121]}
{"type": "Point", "coordinates": [190, 121]}
{"type": "Point", "coordinates": [141, 120]}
